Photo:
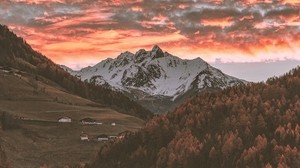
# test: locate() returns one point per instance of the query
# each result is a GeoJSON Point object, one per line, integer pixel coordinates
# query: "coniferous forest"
{"type": "Point", "coordinates": [254, 125]}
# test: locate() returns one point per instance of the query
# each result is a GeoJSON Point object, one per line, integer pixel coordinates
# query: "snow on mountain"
{"type": "Point", "coordinates": [155, 73]}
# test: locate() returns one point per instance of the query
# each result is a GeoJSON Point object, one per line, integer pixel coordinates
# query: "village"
{"type": "Point", "coordinates": [100, 138]}
{"type": "Point", "coordinates": [85, 136]}
{"type": "Point", "coordinates": [87, 121]}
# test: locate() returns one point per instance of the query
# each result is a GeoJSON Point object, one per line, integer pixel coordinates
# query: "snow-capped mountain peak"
{"type": "Point", "coordinates": [156, 73]}
{"type": "Point", "coordinates": [157, 52]}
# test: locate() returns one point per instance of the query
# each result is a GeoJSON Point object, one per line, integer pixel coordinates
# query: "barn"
{"type": "Point", "coordinates": [65, 120]}
{"type": "Point", "coordinates": [102, 138]}
{"type": "Point", "coordinates": [84, 137]}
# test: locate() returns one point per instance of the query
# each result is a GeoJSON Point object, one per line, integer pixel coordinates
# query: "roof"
{"type": "Point", "coordinates": [84, 135]}
{"type": "Point", "coordinates": [103, 136]}
{"type": "Point", "coordinates": [88, 120]}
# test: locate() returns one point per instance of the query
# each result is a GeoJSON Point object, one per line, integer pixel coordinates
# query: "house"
{"type": "Point", "coordinates": [84, 137]}
{"type": "Point", "coordinates": [102, 138]}
{"type": "Point", "coordinates": [65, 120]}
{"type": "Point", "coordinates": [124, 134]}
{"type": "Point", "coordinates": [113, 124]}
{"type": "Point", "coordinates": [88, 121]}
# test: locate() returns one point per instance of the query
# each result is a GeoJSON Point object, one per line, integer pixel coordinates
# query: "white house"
{"type": "Point", "coordinates": [84, 137]}
{"type": "Point", "coordinates": [102, 137]}
{"type": "Point", "coordinates": [65, 120]}
{"type": "Point", "coordinates": [113, 124]}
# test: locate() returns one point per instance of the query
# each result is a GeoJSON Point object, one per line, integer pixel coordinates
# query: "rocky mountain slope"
{"type": "Point", "coordinates": [156, 78]}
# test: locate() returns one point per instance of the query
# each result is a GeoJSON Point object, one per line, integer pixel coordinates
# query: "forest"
{"type": "Point", "coordinates": [253, 125]}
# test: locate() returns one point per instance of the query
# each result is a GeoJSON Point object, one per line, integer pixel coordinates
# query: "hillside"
{"type": "Point", "coordinates": [33, 137]}
{"type": "Point", "coordinates": [156, 79]}
{"type": "Point", "coordinates": [254, 125]}
{"type": "Point", "coordinates": [35, 93]}
{"type": "Point", "coordinates": [16, 53]}
{"type": "Point", "coordinates": [3, 159]}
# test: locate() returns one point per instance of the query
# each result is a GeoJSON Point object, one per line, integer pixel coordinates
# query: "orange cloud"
{"type": "Point", "coordinates": [224, 22]}
{"type": "Point", "coordinates": [70, 31]}
{"type": "Point", "coordinates": [101, 44]}
{"type": "Point", "coordinates": [40, 1]}
{"type": "Point", "coordinates": [182, 6]}
{"type": "Point", "coordinates": [251, 2]}
{"type": "Point", "coordinates": [293, 2]}
{"type": "Point", "coordinates": [137, 9]}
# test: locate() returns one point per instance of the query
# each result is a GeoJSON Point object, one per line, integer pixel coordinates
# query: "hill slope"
{"type": "Point", "coordinates": [152, 76]}
{"type": "Point", "coordinates": [16, 53]}
{"type": "Point", "coordinates": [38, 138]}
{"type": "Point", "coordinates": [255, 125]}
{"type": "Point", "coordinates": [35, 93]}
{"type": "Point", "coordinates": [3, 159]}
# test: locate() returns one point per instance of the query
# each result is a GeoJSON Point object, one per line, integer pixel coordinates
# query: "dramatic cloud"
{"type": "Point", "coordinates": [87, 31]}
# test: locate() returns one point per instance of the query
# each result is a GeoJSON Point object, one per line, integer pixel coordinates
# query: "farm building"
{"type": "Point", "coordinates": [65, 120]}
{"type": "Point", "coordinates": [102, 137]}
{"type": "Point", "coordinates": [87, 121]}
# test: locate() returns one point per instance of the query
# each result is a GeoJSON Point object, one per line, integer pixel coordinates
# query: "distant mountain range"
{"type": "Point", "coordinates": [156, 79]}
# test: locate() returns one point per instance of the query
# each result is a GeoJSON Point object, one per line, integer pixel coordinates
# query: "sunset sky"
{"type": "Point", "coordinates": [78, 33]}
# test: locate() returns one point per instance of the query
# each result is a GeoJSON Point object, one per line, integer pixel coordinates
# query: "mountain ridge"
{"type": "Point", "coordinates": [154, 73]}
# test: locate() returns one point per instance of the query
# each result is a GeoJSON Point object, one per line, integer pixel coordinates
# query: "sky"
{"type": "Point", "coordinates": [257, 71]}
{"type": "Point", "coordinates": [78, 33]}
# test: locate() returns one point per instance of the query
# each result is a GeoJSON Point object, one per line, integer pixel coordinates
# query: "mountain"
{"type": "Point", "coordinates": [16, 53]}
{"type": "Point", "coordinates": [156, 79]}
{"type": "Point", "coordinates": [253, 125]}
{"type": "Point", "coordinates": [35, 93]}
{"type": "Point", "coordinates": [67, 69]}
